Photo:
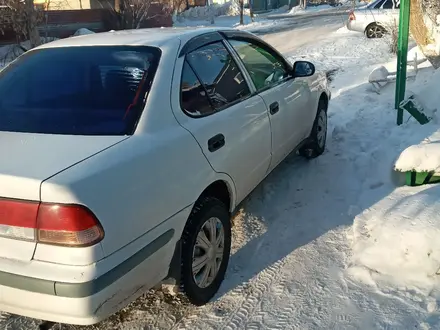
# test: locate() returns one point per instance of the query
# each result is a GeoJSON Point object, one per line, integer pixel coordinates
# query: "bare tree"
{"type": "Point", "coordinates": [130, 14]}
{"type": "Point", "coordinates": [211, 11]}
{"type": "Point", "coordinates": [251, 10]}
{"type": "Point", "coordinates": [241, 4]}
{"type": "Point", "coordinates": [32, 23]}
{"type": "Point", "coordinates": [22, 18]}
{"type": "Point", "coordinates": [178, 6]}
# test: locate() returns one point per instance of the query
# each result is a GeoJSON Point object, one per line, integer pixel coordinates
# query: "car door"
{"type": "Point", "coordinates": [218, 107]}
{"type": "Point", "coordinates": [286, 98]}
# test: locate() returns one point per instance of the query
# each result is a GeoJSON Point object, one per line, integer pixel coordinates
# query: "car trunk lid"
{"type": "Point", "coordinates": [29, 159]}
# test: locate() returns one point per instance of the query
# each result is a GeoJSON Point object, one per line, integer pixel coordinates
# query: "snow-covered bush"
{"type": "Point", "coordinates": [206, 12]}
{"type": "Point", "coordinates": [392, 35]}
{"type": "Point", "coordinates": [82, 32]}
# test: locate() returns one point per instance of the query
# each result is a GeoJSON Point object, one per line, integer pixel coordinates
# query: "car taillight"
{"type": "Point", "coordinates": [351, 16]}
{"type": "Point", "coordinates": [55, 224]}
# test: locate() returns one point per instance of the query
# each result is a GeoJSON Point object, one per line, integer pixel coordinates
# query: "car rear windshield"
{"type": "Point", "coordinates": [95, 90]}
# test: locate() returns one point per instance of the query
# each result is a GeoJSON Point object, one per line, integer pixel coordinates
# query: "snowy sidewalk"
{"type": "Point", "coordinates": [311, 11]}
{"type": "Point", "coordinates": [271, 22]}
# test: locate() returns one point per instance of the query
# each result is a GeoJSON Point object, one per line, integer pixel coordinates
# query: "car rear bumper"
{"type": "Point", "coordinates": [88, 302]}
{"type": "Point", "coordinates": [51, 308]}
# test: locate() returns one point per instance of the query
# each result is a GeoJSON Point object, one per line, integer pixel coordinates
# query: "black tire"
{"type": "Point", "coordinates": [204, 210]}
{"type": "Point", "coordinates": [375, 31]}
{"type": "Point", "coordinates": [314, 148]}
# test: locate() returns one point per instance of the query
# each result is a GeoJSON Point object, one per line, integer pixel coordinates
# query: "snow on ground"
{"type": "Point", "coordinates": [82, 32]}
{"type": "Point", "coordinates": [231, 21]}
{"type": "Point", "coordinates": [331, 243]}
{"type": "Point", "coordinates": [313, 10]}
{"type": "Point", "coordinates": [299, 10]}
{"type": "Point", "coordinates": [424, 156]}
{"type": "Point", "coordinates": [395, 238]}
{"type": "Point", "coordinates": [227, 15]}
{"type": "Point", "coordinates": [206, 12]}
{"type": "Point", "coordinates": [396, 247]}
{"type": "Point", "coordinates": [227, 21]}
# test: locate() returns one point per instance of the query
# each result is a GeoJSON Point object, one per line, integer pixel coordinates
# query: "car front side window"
{"type": "Point", "coordinates": [219, 75]}
{"type": "Point", "coordinates": [265, 68]}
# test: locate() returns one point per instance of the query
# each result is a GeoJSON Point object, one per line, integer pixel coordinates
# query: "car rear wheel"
{"type": "Point", "coordinates": [206, 245]}
{"type": "Point", "coordinates": [318, 138]}
{"type": "Point", "coordinates": [375, 31]}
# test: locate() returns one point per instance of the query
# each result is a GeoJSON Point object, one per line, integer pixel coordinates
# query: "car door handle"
{"type": "Point", "coordinates": [274, 108]}
{"type": "Point", "coordinates": [216, 142]}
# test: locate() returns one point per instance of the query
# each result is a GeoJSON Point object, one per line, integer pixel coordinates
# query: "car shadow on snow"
{"type": "Point", "coordinates": [302, 200]}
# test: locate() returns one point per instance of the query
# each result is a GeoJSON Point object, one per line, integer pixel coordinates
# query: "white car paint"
{"type": "Point", "coordinates": [382, 12]}
{"type": "Point", "coordinates": [141, 187]}
{"type": "Point", "coordinates": [294, 98]}
{"type": "Point", "coordinates": [39, 156]}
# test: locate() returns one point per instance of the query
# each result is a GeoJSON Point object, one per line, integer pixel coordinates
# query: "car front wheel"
{"type": "Point", "coordinates": [206, 245]}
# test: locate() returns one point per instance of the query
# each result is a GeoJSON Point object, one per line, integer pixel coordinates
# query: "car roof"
{"type": "Point", "coordinates": [147, 37]}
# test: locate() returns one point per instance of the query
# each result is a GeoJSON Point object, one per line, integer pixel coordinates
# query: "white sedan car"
{"type": "Point", "coordinates": [124, 155]}
{"type": "Point", "coordinates": [376, 18]}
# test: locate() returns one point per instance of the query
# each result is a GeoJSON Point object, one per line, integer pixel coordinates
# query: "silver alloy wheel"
{"type": "Point", "coordinates": [208, 252]}
{"type": "Point", "coordinates": [322, 128]}
{"type": "Point", "coordinates": [375, 31]}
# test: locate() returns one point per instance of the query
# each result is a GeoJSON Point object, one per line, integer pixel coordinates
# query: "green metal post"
{"type": "Point", "coordinates": [402, 54]}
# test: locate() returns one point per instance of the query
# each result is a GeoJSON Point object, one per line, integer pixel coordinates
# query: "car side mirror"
{"type": "Point", "coordinates": [303, 69]}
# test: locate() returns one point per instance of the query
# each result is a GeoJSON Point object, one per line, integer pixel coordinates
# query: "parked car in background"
{"type": "Point", "coordinates": [375, 19]}
{"type": "Point", "coordinates": [127, 153]}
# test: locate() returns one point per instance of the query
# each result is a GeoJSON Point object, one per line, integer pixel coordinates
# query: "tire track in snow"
{"type": "Point", "coordinates": [250, 295]}
{"type": "Point", "coordinates": [273, 277]}
{"type": "Point", "coordinates": [262, 283]}
{"type": "Point", "coordinates": [285, 316]}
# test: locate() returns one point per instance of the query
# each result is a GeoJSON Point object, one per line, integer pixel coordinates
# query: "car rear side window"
{"type": "Point", "coordinates": [194, 98]}
{"type": "Point", "coordinates": [211, 71]}
{"type": "Point", "coordinates": [94, 90]}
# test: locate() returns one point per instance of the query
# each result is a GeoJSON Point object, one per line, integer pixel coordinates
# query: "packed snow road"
{"type": "Point", "coordinates": [292, 236]}
{"type": "Point", "coordinates": [290, 23]}
{"type": "Point", "coordinates": [288, 34]}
